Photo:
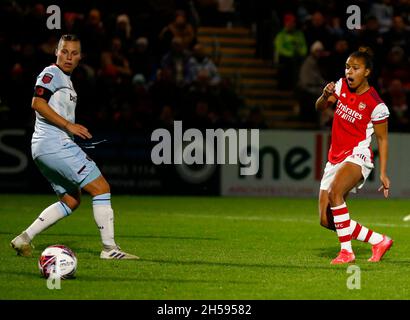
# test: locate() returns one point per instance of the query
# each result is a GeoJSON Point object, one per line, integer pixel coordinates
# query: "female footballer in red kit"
{"type": "Point", "coordinates": [359, 113]}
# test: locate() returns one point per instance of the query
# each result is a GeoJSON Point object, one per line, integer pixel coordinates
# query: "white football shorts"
{"type": "Point", "coordinates": [362, 159]}
{"type": "Point", "coordinates": [68, 170]}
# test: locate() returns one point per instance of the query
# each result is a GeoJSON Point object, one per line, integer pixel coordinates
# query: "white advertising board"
{"type": "Point", "coordinates": [291, 164]}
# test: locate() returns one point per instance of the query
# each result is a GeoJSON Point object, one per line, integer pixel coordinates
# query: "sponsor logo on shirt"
{"type": "Point", "coordinates": [347, 114]}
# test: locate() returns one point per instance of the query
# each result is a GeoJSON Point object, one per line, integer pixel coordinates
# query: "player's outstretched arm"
{"type": "Point", "coordinates": [382, 141]}
{"type": "Point", "coordinates": [327, 98]}
{"type": "Point", "coordinates": [42, 107]}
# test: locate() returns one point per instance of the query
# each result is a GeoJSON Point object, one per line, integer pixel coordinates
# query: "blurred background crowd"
{"type": "Point", "coordinates": [145, 65]}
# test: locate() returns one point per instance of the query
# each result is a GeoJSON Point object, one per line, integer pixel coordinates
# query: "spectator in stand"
{"type": "Point", "coordinates": [402, 7]}
{"type": "Point", "coordinates": [35, 20]}
{"type": "Point", "coordinates": [370, 36]}
{"type": "Point", "coordinates": [164, 90]}
{"type": "Point", "coordinates": [92, 35]}
{"type": "Point", "coordinates": [290, 48]}
{"type": "Point", "coordinates": [70, 21]}
{"type": "Point", "coordinates": [141, 59]}
{"type": "Point", "coordinates": [18, 84]}
{"type": "Point", "coordinates": [335, 28]}
{"type": "Point", "coordinates": [396, 66]}
{"type": "Point", "coordinates": [114, 64]}
{"type": "Point", "coordinates": [180, 28]}
{"type": "Point", "coordinates": [398, 101]}
{"type": "Point", "coordinates": [176, 62]}
{"type": "Point", "coordinates": [317, 30]}
{"type": "Point", "coordinates": [205, 88]}
{"type": "Point", "coordinates": [311, 83]}
{"type": "Point", "coordinates": [123, 30]}
{"type": "Point", "coordinates": [336, 61]}
{"type": "Point", "coordinates": [202, 66]}
{"type": "Point", "coordinates": [398, 35]}
{"type": "Point", "coordinates": [383, 11]}
{"type": "Point", "coordinates": [115, 78]}
{"type": "Point", "coordinates": [189, 7]}
{"type": "Point", "coordinates": [140, 104]}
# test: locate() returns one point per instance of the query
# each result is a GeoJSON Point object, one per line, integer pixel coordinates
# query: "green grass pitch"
{"type": "Point", "coordinates": [208, 248]}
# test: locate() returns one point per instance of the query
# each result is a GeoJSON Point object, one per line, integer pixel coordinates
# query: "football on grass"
{"type": "Point", "coordinates": [57, 261]}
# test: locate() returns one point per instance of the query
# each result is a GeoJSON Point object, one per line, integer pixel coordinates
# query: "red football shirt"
{"type": "Point", "coordinates": [353, 121]}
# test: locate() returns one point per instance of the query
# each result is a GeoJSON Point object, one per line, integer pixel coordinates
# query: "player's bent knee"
{"type": "Point", "coordinates": [335, 195]}
{"type": "Point", "coordinates": [102, 187]}
{"type": "Point", "coordinates": [97, 187]}
{"type": "Point", "coordinates": [106, 187]}
{"type": "Point", "coordinates": [72, 203]}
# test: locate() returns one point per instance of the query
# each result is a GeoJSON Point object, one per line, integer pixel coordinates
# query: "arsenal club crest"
{"type": "Point", "coordinates": [362, 106]}
{"type": "Point", "coordinates": [39, 91]}
{"type": "Point", "coordinates": [47, 78]}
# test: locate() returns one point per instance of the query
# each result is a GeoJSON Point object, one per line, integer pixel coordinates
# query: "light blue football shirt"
{"type": "Point", "coordinates": [47, 137]}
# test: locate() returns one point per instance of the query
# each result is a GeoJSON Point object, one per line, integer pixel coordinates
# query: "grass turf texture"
{"type": "Point", "coordinates": [208, 248]}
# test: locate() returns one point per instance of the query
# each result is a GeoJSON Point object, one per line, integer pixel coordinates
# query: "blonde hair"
{"type": "Point", "coordinates": [68, 37]}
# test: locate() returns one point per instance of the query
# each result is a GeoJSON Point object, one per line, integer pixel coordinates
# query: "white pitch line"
{"type": "Point", "coordinates": [259, 218]}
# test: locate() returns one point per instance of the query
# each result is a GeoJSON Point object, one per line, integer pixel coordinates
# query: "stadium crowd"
{"type": "Point", "coordinates": [143, 66]}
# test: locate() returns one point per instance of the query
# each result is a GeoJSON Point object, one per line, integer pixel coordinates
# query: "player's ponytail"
{"type": "Point", "coordinates": [366, 53]}
{"type": "Point", "coordinates": [366, 50]}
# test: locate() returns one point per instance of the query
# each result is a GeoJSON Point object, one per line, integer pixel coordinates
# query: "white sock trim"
{"type": "Point", "coordinates": [102, 200]}
{"type": "Point", "coordinates": [339, 207]}
{"type": "Point", "coordinates": [66, 210]}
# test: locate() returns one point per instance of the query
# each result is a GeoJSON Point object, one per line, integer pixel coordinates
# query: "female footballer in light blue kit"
{"type": "Point", "coordinates": [65, 165]}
